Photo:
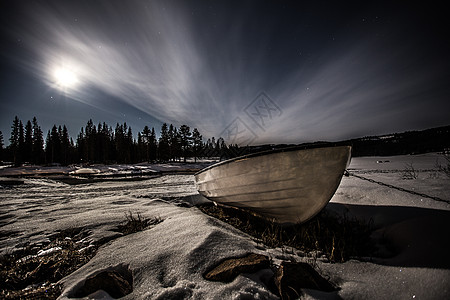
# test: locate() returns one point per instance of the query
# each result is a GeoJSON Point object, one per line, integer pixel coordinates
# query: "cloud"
{"type": "Point", "coordinates": [162, 59]}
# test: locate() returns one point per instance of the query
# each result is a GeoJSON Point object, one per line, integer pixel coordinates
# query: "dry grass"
{"type": "Point", "coordinates": [337, 237]}
{"type": "Point", "coordinates": [27, 275]}
{"type": "Point", "coordinates": [410, 172]}
{"type": "Point", "coordinates": [137, 223]}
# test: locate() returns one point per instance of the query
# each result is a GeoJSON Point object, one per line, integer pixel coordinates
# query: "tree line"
{"type": "Point", "coordinates": [102, 143]}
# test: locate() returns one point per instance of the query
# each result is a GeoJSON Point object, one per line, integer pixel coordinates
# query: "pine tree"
{"type": "Point", "coordinates": [53, 146]}
{"type": "Point", "coordinates": [173, 132]}
{"type": "Point", "coordinates": [145, 141]}
{"type": "Point", "coordinates": [163, 149]}
{"type": "Point", "coordinates": [141, 148]}
{"type": "Point", "coordinates": [123, 140]}
{"type": "Point", "coordinates": [185, 140]}
{"type": "Point", "coordinates": [210, 148]}
{"type": "Point", "coordinates": [21, 150]}
{"type": "Point", "coordinates": [28, 142]}
{"type": "Point", "coordinates": [109, 132]}
{"type": "Point", "coordinates": [103, 145]}
{"type": "Point", "coordinates": [65, 146]}
{"type": "Point", "coordinates": [197, 143]}
{"type": "Point", "coordinates": [48, 149]}
{"type": "Point", "coordinates": [119, 142]}
{"type": "Point", "coordinates": [82, 146]}
{"type": "Point", "coordinates": [14, 140]}
{"type": "Point", "coordinates": [130, 149]}
{"type": "Point", "coordinates": [1, 146]}
{"type": "Point", "coordinates": [38, 143]}
{"type": "Point", "coordinates": [91, 140]}
{"type": "Point", "coordinates": [153, 145]}
{"type": "Point", "coordinates": [221, 147]}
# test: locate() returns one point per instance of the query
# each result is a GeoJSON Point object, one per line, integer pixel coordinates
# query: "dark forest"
{"type": "Point", "coordinates": [104, 144]}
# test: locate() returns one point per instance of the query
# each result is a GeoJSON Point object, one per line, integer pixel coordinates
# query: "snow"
{"type": "Point", "coordinates": [169, 259]}
{"type": "Point", "coordinates": [118, 169]}
{"type": "Point", "coordinates": [85, 171]}
{"type": "Point", "coordinates": [48, 251]}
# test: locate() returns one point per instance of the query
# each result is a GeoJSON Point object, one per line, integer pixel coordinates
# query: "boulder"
{"type": "Point", "coordinates": [229, 269]}
{"type": "Point", "coordinates": [291, 277]}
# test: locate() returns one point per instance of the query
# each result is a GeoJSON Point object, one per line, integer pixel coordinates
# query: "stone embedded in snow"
{"type": "Point", "coordinates": [116, 284]}
{"type": "Point", "coordinates": [228, 270]}
{"type": "Point", "coordinates": [291, 277]}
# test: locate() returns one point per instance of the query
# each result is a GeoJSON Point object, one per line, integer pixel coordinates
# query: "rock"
{"type": "Point", "coordinates": [291, 277]}
{"type": "Point", "coordinates": [115, 283]}
{"type": "Point", "coordinates": [229, 269]}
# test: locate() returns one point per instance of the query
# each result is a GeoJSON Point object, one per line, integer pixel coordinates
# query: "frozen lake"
{"type": "Point", "coordinates": [412, 213]}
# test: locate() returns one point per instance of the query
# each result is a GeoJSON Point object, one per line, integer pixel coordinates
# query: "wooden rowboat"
{"type": "Point", "coordinates": [288, 185]}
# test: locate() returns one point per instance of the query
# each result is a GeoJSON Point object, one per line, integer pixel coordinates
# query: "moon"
{"type": "Point", "coordinates": [65, 78]}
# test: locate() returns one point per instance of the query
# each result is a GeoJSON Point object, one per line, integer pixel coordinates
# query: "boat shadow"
{"type": "Point", "coordinates": [404, 236]}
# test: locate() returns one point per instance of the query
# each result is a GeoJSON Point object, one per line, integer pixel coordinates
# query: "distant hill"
{"type": "Point", "coordinates": [409, 142]}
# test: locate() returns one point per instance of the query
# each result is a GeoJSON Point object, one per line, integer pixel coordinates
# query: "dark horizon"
{"type": "Point", "coordinates": [108, 144]}
{"type": "Point", "coordinates": [6, 137]}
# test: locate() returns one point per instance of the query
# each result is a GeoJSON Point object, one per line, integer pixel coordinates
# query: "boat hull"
{"type": "Point", "coordinates": [288, 186]}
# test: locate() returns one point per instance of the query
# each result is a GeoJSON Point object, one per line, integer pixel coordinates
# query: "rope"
{"type": "Point", "coordinates": [400, 189]}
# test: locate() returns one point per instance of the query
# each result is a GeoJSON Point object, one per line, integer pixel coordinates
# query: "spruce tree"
{"type": "Point", "coordinates": [91, 138]}
{"type": "Point", "coordinates": [163, 149]}
{"type": "Point", "coordinates": [53, 146]}
{"type": "Point", "coordinates": [129, 146]}
{"type": "Point", "coordinates": [21, 150]}
{"type": "Point", "coordinates": [185, 140]}
{"type": "Point", "coordinates": [28, 142]}
{"type": "Point", "coordinates": [197, 143]}
{"type": "Point", "coordinates": [48, 149]}
{"type": "Point", "coordinates": [1, 146]}
{"type": "Point", "coordinates": [38, 143]}
{"type": "Point", "coordinates": [119, 142]}
{"type": "Point", "coordinates": [145, 141]}
{"type": "Point", "coordinates": [173, 132]}
{"type": "Point", "coordinates": [65, 146]}
{"type": "Point", "coordinates": [14, 140]}
{"type": "Point", "coordinates": [153, 145]}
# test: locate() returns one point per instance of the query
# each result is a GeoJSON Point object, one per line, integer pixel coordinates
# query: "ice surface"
{"type": "Point", "coordinates": [168, 260]}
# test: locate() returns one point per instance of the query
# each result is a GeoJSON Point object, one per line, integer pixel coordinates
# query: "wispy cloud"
{"type": "Point", "coordinates": [153, 56]}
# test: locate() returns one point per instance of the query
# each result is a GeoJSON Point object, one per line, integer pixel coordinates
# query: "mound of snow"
{"type": "Point", "coordinates": [168, 261]}
{"type": "Point", "coordinates": [85, 171]}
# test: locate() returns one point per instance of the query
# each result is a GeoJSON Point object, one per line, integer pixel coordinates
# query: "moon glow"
{"type": "Point", "coordinates": [65, 78]}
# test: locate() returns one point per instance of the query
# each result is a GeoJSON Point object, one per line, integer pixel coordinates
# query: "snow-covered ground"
{"type": "Point", "coordinates": [168, 260]}
{"type": "Point", "coordinates": [104, 170]}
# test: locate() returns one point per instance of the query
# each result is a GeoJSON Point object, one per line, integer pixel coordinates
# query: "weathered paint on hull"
{"type": "Point", "coordinates": [288, 186]}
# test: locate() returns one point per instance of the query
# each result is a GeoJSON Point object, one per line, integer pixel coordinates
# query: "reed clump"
{"type": "Point", "coordinates": [338, 237]}
{"type": "Point", "coordinates": [136, 223]}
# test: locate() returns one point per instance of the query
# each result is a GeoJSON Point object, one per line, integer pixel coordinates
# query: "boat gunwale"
{"type": "Point", "coordinates": [274, 151]}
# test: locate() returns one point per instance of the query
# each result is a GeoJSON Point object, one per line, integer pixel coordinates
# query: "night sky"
{"type": "Point", "coordinates": [250, 71]}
